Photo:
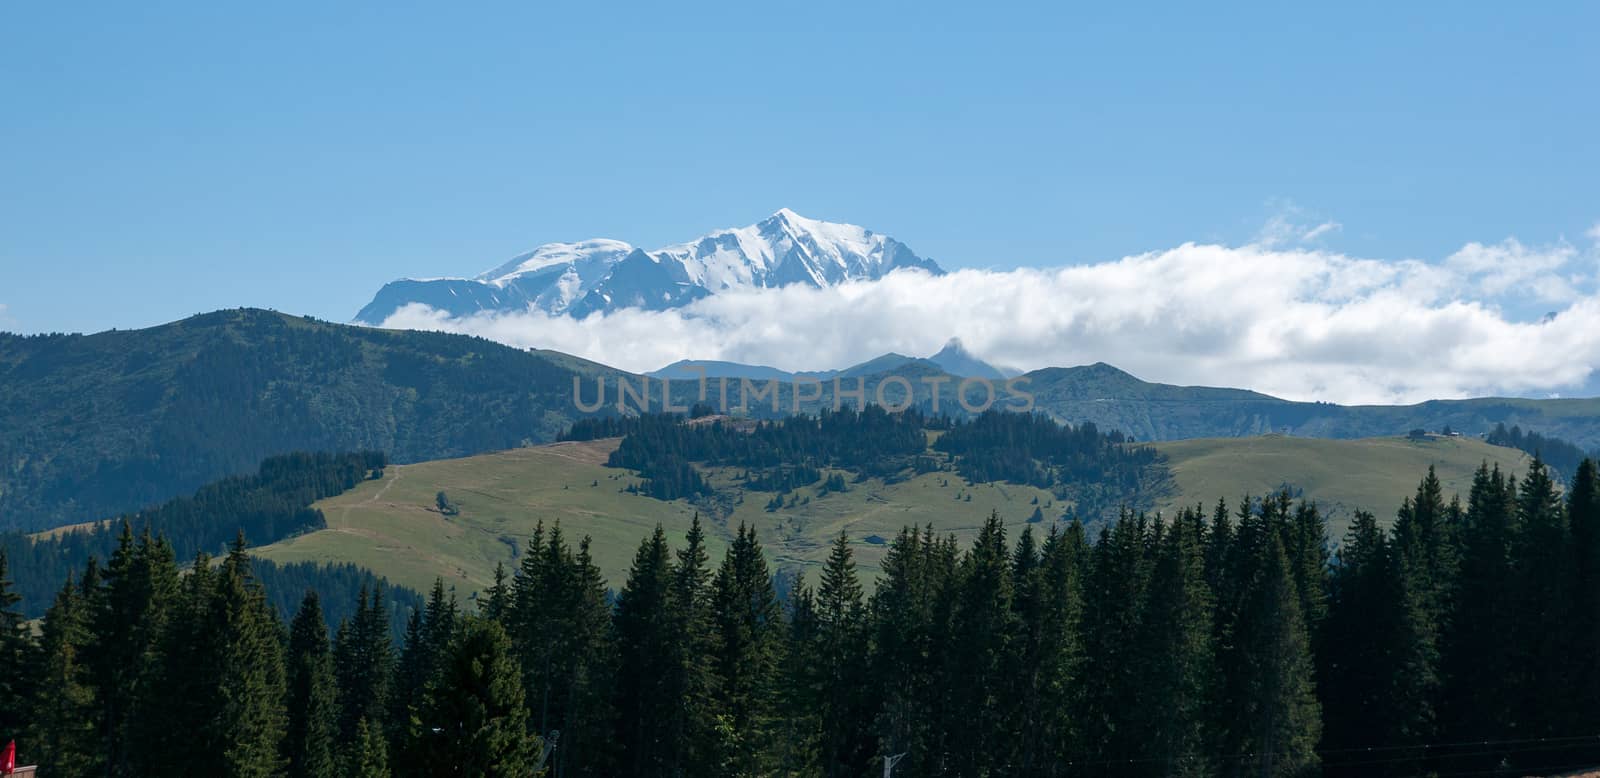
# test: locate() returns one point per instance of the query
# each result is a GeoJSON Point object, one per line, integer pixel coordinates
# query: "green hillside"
{"type": "Point", "coordinates": [96, 425]}
{"type": "Point", "coordinates": [1114, 399]}
{"type": "Point", "coordinates": [1340, 475]}
{"type": "Point", "coordinates": [394, 527]}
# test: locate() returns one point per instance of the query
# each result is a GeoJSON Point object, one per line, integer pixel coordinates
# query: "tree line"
{"type": "Point", "coordinates": [268, 506]}
{"type": "Point", "coordinates": [1093, 469]}
{"type": "Point", "coordinates": [1234, 641]}
{"type": "Point", "coordinates": [1563, 456]}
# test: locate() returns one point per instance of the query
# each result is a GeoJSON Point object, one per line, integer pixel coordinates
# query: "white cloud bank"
{"type": "Point", "coordinates": [1297, 323]}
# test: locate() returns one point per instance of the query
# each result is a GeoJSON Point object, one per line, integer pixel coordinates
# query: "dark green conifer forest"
{"type": "Point", "coordinates": [1241, 640]}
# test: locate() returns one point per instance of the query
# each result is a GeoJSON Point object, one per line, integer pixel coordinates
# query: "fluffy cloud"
{"type": "Point", "coordinates": [1297, 323]}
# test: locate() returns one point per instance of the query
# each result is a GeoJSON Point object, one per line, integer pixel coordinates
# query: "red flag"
{"type": "Point", "coordinates": [8, 759]}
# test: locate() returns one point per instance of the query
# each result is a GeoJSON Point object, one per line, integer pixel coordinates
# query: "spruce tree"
{"type": "Point", "coordinates": [428, 632]}
{"type": "Point", "coordinates": [585, 739]}
{"type": "Point", "coordinates": [1478, 661]}
{"type": "Point", "coordinates": [251, 719]}
{"type": "Point", "coordinates": [911, 624]}
{"type": "Point", "coordinates": [799, 743]}
{"type": "Point", "coordinates": [1053, 645]}
{"type": "Point", "coordinates": [129, 618]}
{"type": "Point", "coordinates": [646, 694]}
{"type": "Point", "coordinates": [840, 644]}
{"type": "Point", "coordinates": [1115, 593]}
{"type": "Point", "coordinates": [60, 729]}
{"type": "Point", "coordinates": [363, 666]}
{"type": "Point", "coordinates": [694, 719]}
{"type": "Point", "coordinates": [1178, 659]}
{"type": "Point", "coordinates": [496, 602]}
{"type": "Point", "coordinates": [1279, 724]}
{"type": "Point", "coordinates": [369, 757]}
{"type": "Point", "coordinates": [561, 624]}
{"type": "Point", "coordinates": [311, 741]}
{"type": "Point", "coordinates": [412, 671]}
{"type": "Point", "coordinates": [1542, 574]}
{"type": "Point", "coordinates": [16, 656]}
{"type": "Point", "coordinates": [1583, 514]}
{"type": "Point", "coordinates": [747, 645]}
{"type": "Point", "coordinates": [186, 680]}
{"type": "Point", "coordinates": [474, 721]}
{"type": "Point", "coordinates": [982, 631]}
{"type": "Point", "coordinates": [1366, 657]}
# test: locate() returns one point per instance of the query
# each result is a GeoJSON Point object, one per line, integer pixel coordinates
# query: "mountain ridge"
{"type": "Point", "coordinates": [96, 425]}
{"type": "Point", "coordinates": [953, 358]}
{"type": "Point", "coordinates": [602, 275]}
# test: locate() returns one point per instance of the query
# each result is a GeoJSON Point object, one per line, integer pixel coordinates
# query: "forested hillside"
{"type": "Point", "coordinates": [1562, 456]}
{"type": "Point", "coordinates": [1115, 400]}
{"type": "Point", "coordinates": [270, 505]}
{"type": "Point", "coordinates": [1224, 642]}
{"type": "Point", "coordinates": [96, 425]}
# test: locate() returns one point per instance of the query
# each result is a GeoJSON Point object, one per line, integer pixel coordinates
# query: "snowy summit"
{"type": "Point", "coordinates": [602, 275]}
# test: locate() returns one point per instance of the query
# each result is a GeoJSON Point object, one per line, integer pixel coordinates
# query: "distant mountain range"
{"type": "Point", "coordinates": [954, 359]}
{"type": "Point", "coordinates": [94, 425]}
{"type": "Point", "coordinates": [578, 279]}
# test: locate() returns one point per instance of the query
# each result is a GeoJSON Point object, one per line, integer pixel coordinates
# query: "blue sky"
{"type": "Point", "coordinates": [162, 159]}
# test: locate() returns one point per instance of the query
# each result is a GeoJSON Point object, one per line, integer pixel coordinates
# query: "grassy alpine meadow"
{"type": "Point", "coordinates": [1341, 476]}
{"type": "Point", "coordinates": [395, 527]}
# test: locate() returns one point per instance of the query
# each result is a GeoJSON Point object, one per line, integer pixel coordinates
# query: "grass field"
{"type": "Point", "coordinates": [1342, 476]}
{"type": "Point", "coordinates": [394, 527]}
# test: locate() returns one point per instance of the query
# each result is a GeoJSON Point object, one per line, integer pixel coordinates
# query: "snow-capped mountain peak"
{"type": "Point", "coordinates": [604, 275]}
{"type": "Point", "coordinates": [557, 254]}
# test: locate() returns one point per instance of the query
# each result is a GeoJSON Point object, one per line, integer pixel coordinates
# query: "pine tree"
{"type": "Point", "coordinates": [1113, 599]}
{"type": "Point", "coordinates": [369, 757]}
{"type": "Point", "coordinates": [1542, 573]}
{"type": "Point", "coordinates": [1424, 566]}
{"type": "Point", "coordinates": [645, 688]}
{"type": "Point", "coordinates": [585, 745]}
{"type": "Point", "coordinates": [1279, 724]}
{"type": "Point", "coordinates": [1583, 514]}
{"type": "Point", "coordinates": [412, 671]}
{"type": "Point", "coordinates": [1306, 544]}
{"type": "Point", "coordinates": [427, 634]}
{"type": "Point", "coordinates": [1177, 656]}
{"type": "Point", "coordinates": [363, 666]}
{"type": "Point", "coordinates": [694, 717]}
{"type": "Point", "coordinates": [982, 630]}
{"type": "Point", "coordinates": [474, 722]}
{"type": "Point", "coordinates": [839, 643]}
{"type": "Point", "coordinates": [1049, 602]}
{"type": "Point", "coordinates": [747, 645]}
{"type": "Point", "coordinates": [16, 656]}
{"type": "Point", "coordinates": [799, 743]}
{"type": "Point", "coordinates": [496, 603]}
{"type": "Point", "coordinates": [1478, 664]}
{"type": "Point", "coordinates": [310, 744]}
{"type": "Point", "coordinates": [182, 735]}
{"type": "Point", "coordinates": [251, 719]}
{"type": "Point", "coordinates": [61, 727]}
{"type": "Point", "coordinates": [1365, 657]}
{"type": "Point", "coordinates": [129, 616]}
{"type": "Point", "coordinates": [910, 614]}
{"type": "Point", "coordinates": [561, 624]}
